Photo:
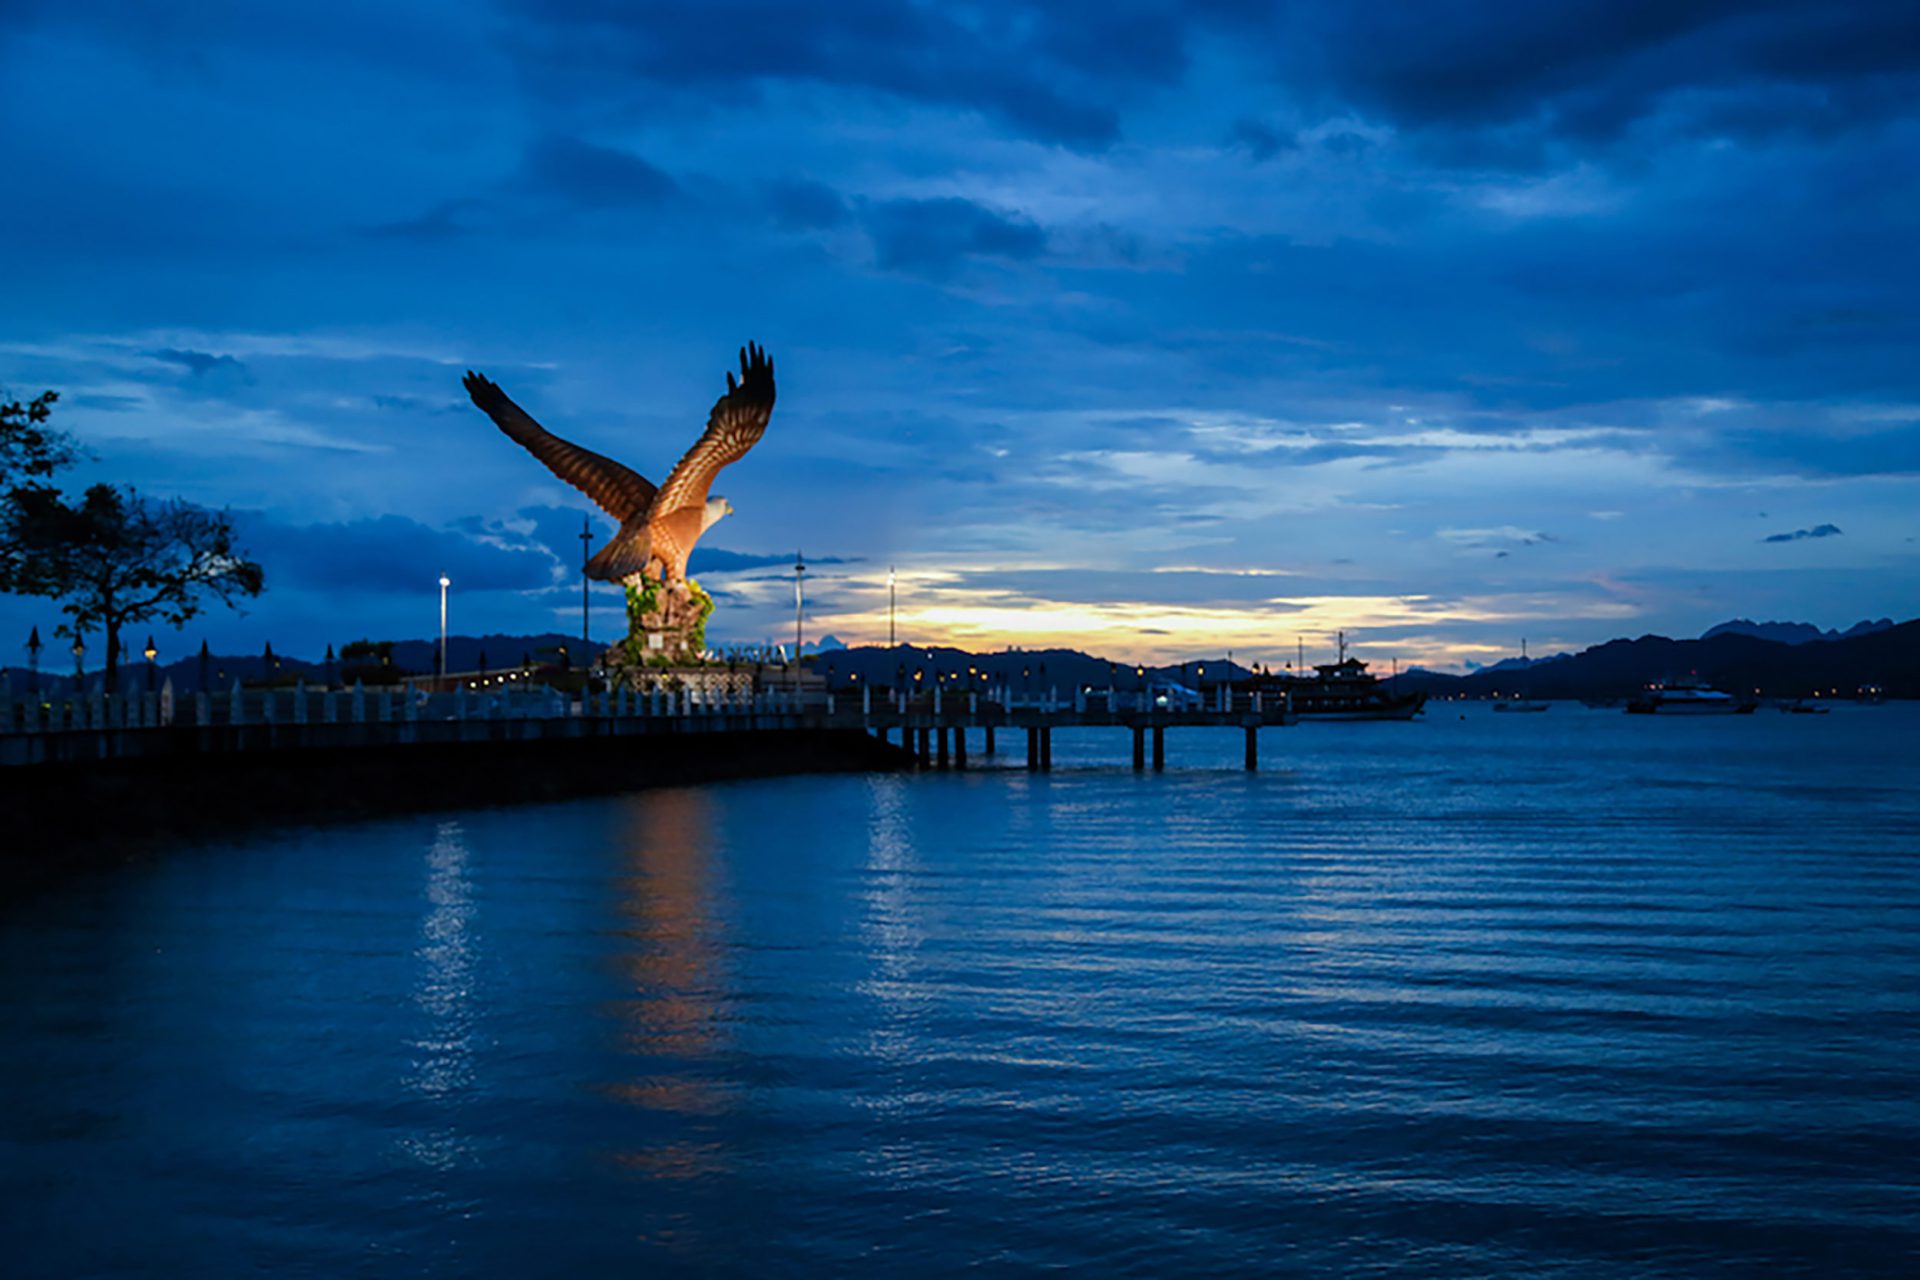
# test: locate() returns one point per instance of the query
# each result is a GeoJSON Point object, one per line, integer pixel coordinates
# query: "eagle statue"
{"type": "Point", "coordinates": [658, 526]}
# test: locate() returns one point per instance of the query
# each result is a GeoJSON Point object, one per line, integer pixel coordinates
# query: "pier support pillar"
{"type": "Point", "coordinates": [1033, 750]}
{"type": "Point", "coordinates": [1253, 748]}
{"type": "Point", "coordinates": [1046, 750]}
{"type": "Point", "coordinates": [959, 746]}
{"type": "Point", "coordinates": [926, 750]}
{"type": "Point", "coordinates": [1159, 747]}
{"type": "Point", "coordinates": [940, 737]}
{"type": "Point", "coordinates": [989, 749]}
{"type": "Point", "coordinates": [1139, 748]}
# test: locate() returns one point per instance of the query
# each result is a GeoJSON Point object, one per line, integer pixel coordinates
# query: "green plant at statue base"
{"type": "Point", "coordinates": [704, 603]}
{"type": "Point", "coordinates": [641, 600]}
{"type": "Point", "coordinates": [645, 601]}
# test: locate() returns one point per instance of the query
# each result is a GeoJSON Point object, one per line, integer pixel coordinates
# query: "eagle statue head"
{"type": "Point", "coordinates": [716, 510]}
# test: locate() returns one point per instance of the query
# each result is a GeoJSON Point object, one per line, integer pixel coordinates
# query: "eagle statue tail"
{"type": "Point", "coordinates": [625, 556]}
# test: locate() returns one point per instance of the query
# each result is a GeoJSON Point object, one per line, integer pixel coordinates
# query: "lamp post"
{"type": "Point", "coordinates": [150, 653]}
{"type": "Point", "coordinates": [799, 576]}
{"type": "Point", "coordinates": [79, 657]}
{"type": "Point", "coordinates": [586, 543]}
{"type": "Point", "coordinates": [205, 658]}
{"type": "Point", "coordinates": [891, 599]}
{"type": "Point", "coordinates": [445, 582]}
{"type": "Point", "coordinates": [33, 659]}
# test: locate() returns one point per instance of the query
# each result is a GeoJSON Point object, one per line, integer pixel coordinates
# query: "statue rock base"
{"type": "Point", "coordinates": [666, 626]}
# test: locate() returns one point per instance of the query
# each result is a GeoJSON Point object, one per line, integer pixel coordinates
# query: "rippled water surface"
{"type": "Point", "coordinates": [1574, 994]}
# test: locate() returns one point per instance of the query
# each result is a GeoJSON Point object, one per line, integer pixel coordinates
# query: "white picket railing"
{"type": "Point", "coordinates": [392, 704]}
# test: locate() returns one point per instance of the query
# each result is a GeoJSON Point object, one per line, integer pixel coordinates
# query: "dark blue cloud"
{"type": "Point", "coordinates": [801, 204]}
{"type": "Point", "coordinates": [592, 176]}
{"type": "Point", "coordinates": [1818, 531]}
{"type": "Point", "coordinates": [935, 236]}
{"type": "Point", "coordinates": [446, 220]}
{"type": "Point", "coordinates": [201, 363]}
{"type": "Point", "coordinates": [1046, 72]}
{"type": "Point", "coordinates": [1260, 140]}
{"type": "Point", "coordinates": [1588, 71]}
{"type": "Point", "coordinates": [387, 555]}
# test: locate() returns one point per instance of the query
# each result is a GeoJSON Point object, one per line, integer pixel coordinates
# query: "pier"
{"type": "Point", "coordinates": [927, 731]}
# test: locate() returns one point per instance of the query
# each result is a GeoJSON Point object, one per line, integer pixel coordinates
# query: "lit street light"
{"type": "Point", "coordinates": [445, 582]}
{"type": "Point", "coordinates": [79, 657]}
{"type": "Point", "coordinates": [151, 653]}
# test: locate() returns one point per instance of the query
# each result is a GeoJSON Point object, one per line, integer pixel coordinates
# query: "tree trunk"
{"type": "Point", "coordinates": [113, 654]}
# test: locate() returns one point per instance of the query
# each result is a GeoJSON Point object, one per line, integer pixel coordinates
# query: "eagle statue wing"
{"type": "Point", "coordinates": [738, 420]}
{"type": "Point", "coordinates": [620, 491]}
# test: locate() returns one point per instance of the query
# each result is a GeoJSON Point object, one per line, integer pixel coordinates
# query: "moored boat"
{"type": "Point", "coordinates": [1688, 698]}
{"type": "Point", "coordinates": [1343, 690]}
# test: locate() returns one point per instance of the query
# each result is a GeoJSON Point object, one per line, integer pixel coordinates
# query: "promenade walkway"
{"type": "Point", "coordinates": [936, 730]}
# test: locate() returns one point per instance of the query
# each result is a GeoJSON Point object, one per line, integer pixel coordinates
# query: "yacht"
{"type": "Point", "coordinates": [1688, 698]}
{"type": "Point", "coordinates": [1517, 703]}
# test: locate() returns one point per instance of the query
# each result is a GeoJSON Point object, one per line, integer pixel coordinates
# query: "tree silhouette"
{"type": "Point", "coordinates": [30, 452]}
{"type": "Point", "coordinates": [116, 558]}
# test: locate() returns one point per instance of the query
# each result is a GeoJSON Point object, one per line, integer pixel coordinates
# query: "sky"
{"type": "Point", "coordinates": [1147, 328]}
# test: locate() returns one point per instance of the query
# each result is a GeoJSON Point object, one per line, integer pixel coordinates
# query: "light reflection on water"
{"type": "Point", "coordinates": [442, 1065]}
{"type": "Point", "coordinates": [1577, 995]}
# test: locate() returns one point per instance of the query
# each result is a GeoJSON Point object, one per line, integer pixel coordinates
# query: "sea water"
{"type": "Point", "coordinates": [1570, 994]}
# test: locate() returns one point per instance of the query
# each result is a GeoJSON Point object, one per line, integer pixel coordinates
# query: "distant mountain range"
{"type": "Point", "coordinates": [1517, 664]}
{"type": "Point", "coordinates": [1792, 632]}
{"type": "Point", "coordinates": [1728, 656]}
{"type": "Point", "coordinates": [1884, 655]}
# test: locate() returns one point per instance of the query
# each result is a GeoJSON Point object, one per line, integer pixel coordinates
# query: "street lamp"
{"type": "Point", "coordinates": [445, 582]}
{"type": "Point", "coordinates": [799, 576]}
{"type": "Point", "coordinates": [586, 558]}
{"type": "Point", "coordinates": [151, 653]}
{"type": "Point", "coordinates": [79, 656]}
{"type": "Point", "coordinates": [891, 641]}
{"type": "Point", "coordinates": [33, 657]}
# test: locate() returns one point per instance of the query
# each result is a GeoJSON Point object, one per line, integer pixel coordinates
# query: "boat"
{"type": "Point", "coordinates": [1519, 704]}
{"type": "Point", "coordinates": [1688, 698]}
{"type": "Point", "coordinates": [1342, 690]}
{"type": "Point", "coordinates": [1805, 708]}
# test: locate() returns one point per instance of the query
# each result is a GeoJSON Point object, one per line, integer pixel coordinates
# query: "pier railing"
{"type": "Point", "coordinates": [932, 725]}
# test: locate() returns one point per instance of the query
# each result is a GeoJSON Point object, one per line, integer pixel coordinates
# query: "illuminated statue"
{"type": "Point", "coordinates": [658, 527]}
